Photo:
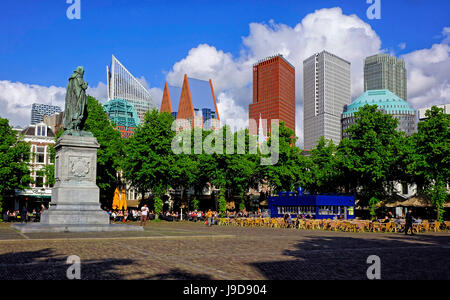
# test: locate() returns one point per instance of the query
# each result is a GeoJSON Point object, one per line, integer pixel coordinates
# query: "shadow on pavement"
{"type": "Point", "coordinates": [44, 264]}
{"type": "Point", "coordinates": [179, 275]}
{"type": "Point", "coordinates": [337, 257]}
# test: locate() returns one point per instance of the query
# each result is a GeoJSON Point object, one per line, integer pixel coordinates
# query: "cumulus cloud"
{"type": "Point", "coordinates": [428, 74]}
{"type": "Point", "coordinates": [16, 99]}
{"type": "Point", "coordinates": [100, 92]}
{"type": "Point", "coordinates": [156, 94]}
{"type": "Point", "coordinates": [329, 29]}
{"type": "Point", "coordinates": [326, 29]}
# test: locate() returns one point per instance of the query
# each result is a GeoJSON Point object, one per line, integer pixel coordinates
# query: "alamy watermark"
{"type": "Point", "coordinates": [374, 10]}
{"type": "Point", "coordinates": [74, 10]}
{"type": "Point", "coordinates": [374, 270]}
{"type": "Point", "coordinates": [217, 143]}
{"type": "Point", "coordinates": [74, 270]}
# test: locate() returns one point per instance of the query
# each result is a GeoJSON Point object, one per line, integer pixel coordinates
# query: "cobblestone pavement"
{"type": "Point", "coordinates": [194, 251]}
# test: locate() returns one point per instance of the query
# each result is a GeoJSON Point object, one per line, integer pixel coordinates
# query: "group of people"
{"type": "Point", "coordinates": [32, 215]}
{"type": "Point", "coordinates": [131, 215]}
{"type": "Point", "coordinates": [407, 219]}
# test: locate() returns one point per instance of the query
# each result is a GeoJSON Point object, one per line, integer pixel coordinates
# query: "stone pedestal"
{"type": "Point", "coordinates": [75, 202]}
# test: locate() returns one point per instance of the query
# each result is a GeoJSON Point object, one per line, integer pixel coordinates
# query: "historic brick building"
{"type": "Point", "coordinates": [41, 138]}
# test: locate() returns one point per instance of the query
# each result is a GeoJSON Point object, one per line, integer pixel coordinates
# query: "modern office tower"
{"type": "Point", "coordinates": [326, 90]}
{"type": "Point", "coordinates": [123, 115]}
{"type": "Point", "coordinates": [39, 110]}
{"type": "Point", "coordinates": [123, 85]}
{"type": "Point", "coordinates": [273, 94]}
{"type": "Point", "coordinates": [384, 72]}
{"type": "Point", "coordinates": [421, 111]}
{"type": "Point", "coordinates": [192, 105]}
{"type": "Point", "coordinates": [388, 103]}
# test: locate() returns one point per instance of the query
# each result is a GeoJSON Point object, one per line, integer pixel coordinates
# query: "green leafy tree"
{"type": "Point", "coordinates": [289, 172]}
{"type": "Point", "coordinates": [14, 157]}
{"type": "Point", "coordinates": [158, 205]}
{"type": "Point", "coordinates": [370, 154]}
{"type": "Point", "coordinates": [110, 153]}
{"type": "Point", "coordinates": [222, 202]}
{"type": "Point", "coordinates": [429, 162]}
{"type": "Point", "coordinates": [149, 158]}
{"type": "Point", "coordinates": [195, 203]}
{"type": "Point", "coordinates": [230, 167]}
{"type": "Point", "coordinates": [324, 173]}
{"type": "Point", "coordinates": [48, 171]}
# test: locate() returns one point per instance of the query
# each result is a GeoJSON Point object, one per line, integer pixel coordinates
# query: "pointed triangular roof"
{"type": "Point", "coordinates": [166, 104]}
{"type": "Point", "coordinates": [185, 108]}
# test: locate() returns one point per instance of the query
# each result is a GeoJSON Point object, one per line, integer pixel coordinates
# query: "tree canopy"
{"type": "Point", "coordinates": [14, 159]}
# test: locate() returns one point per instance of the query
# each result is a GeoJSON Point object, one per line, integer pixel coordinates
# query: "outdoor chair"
{"type": "Point", "coordinates": [308, 224]}
{"type": "Point", "coordinates": [301, 224]}
{"type": "Point", "coordinates": [447, 225]}
{"type": "Point", "coordinates": [360, 226]}
{"type": "Point", "coordinates": [316, 224]}
{"type": "Point", "coordinates": [334, 225]}
{"type": "Point", "coordinates": [424, 227]}
{"type": "Point", "coordinates": [389, 227]}
{"type": "Point", "coordinates": [435, 226]}
{"type": "Point", "coordinates": [376, 227]}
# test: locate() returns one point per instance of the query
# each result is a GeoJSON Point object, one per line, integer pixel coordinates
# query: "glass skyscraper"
{"type": "Point", "coordinates": [123, 85]}
{"type": "Point", "coordinates": [382, 72]}
{"type": "Point", "coordinates": [326, 90]}
{"type": "Point", "coordinates": [39, 110]}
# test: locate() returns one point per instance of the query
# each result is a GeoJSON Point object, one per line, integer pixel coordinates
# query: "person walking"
{"type": "Point", "coordinates": [209, 215]}
{"type": "Point", "coordinates": [409, 222]}
{"type": "Point", "coordinates": [24, 214]}
{"type": "Point", "coordinates": [144, 213]}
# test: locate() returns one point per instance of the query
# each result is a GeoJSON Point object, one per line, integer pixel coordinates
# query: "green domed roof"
{"type": "Point", "coordinates": [121, 112]}
{"type": "Point", "coordinates": [384, 99]}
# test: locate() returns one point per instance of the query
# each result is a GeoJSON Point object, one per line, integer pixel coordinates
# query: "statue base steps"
{"type": "Point", "coordinates": [38, 227]}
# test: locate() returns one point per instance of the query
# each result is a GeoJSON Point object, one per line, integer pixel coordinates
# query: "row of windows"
{"type": "Point", "coordinates": [330, 210]}
{"type": "Point", "coordinates": [307, 210]}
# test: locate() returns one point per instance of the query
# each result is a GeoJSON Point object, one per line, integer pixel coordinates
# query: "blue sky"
{"type": "Point", "coordinates": [220, 40]}
{"type": "Point", "coordinates": [41, 46]}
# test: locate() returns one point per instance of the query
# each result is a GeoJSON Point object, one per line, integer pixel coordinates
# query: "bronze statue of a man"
{"type": "Point", "coordinates": [75, 113]}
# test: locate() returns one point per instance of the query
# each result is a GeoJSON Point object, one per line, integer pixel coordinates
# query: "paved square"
{"type": "Point", "coordinates": [194, 251]}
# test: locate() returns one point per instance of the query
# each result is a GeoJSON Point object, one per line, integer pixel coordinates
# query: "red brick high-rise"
{"type": "Point", "coordinates": [273, 93]}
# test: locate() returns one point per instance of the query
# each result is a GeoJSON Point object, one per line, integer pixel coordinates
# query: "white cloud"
{"type": "Point", "coordinates": [327, 29]}
{"type": "Point", "coordinates": [16, 99]}
{"type": "Point", "coordinates": [100, 92]}
{"type": "Point", "coordinates": [230, 113]}
{"type": "Point", "coordinates": [347, 36]}
{"type": "Point", "coordinates": [156, 94]}
{"type": "Point", "coordinates": [428, 74]}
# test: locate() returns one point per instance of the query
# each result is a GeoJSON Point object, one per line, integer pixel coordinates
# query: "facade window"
{"type": "Point", "coordinates": [404, 188]}
{"type": "Point", "coordinates": [39, 181]}
{"type": "Point", "coordinates": [40, 155]}
{"type": "Point", "coordinates": [41, 130]}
